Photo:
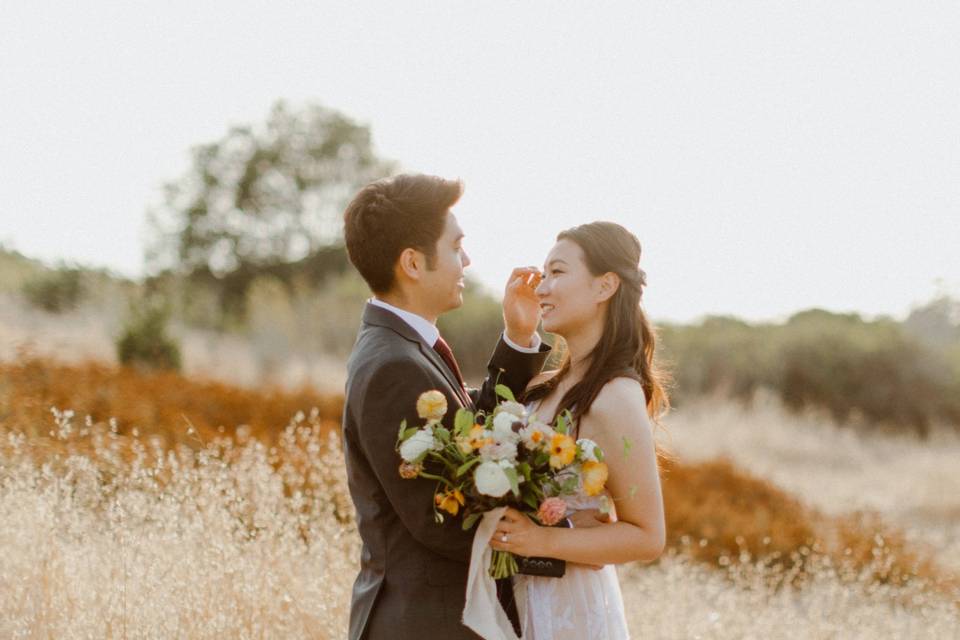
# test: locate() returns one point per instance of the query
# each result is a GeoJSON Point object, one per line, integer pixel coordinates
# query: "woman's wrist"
{"type": "Point", "coordinates": [550, 541]}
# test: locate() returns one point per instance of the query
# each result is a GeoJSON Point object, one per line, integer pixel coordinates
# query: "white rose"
{"type": "Point", "coordinates": [516, 409]}
{"type": "Point", "coordinates": [416, 446]}
{"type": "Point", "coordinates": [503, 427]}
{"type": "Point", "coordinates": [491, 479]}
{"type": "Point", "coordinates": [589, 448]}
{"type": "Point", "coordinates": [499, 450]}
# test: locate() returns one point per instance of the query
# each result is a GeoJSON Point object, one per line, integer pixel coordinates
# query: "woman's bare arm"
{"type": "Point", "coordinates": [618, 423]}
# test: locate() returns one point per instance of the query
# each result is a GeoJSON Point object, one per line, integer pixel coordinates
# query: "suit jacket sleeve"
{"type": "Point", "coordinates": [509, 367]}
{"type": "Point", "coordinates": [390, 397]}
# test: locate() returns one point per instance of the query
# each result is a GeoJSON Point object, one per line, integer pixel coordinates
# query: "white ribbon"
{"type": "Point", "coordinates": [482, 611]}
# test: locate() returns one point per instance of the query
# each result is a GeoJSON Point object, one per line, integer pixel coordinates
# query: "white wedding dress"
{"type": "Point", "coordinates": [585, 604]}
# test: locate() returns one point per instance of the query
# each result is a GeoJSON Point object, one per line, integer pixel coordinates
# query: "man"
{"type": "Point", "coordinates": [406, 243]}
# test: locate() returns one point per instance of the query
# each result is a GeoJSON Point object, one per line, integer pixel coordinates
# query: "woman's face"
{"type": "Point", "coordinates": [570, 296]}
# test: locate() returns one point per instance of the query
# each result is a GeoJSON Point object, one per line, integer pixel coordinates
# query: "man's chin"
{"type": "Point", "coordinates": [455, 303]}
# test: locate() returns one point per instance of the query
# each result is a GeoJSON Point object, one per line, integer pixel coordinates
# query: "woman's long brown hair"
{"type": "Point", "coordinates": [627, 344]}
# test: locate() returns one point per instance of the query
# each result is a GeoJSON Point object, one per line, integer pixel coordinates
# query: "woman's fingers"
{"type": "Point", "coordinates": [529, 276]}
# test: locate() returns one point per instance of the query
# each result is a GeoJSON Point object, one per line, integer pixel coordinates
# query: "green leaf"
{"type": "Point", "coordinates": [408, 434]}
{"type": "Point", "coordinates": [514, 480]}
{"type": "Point", "coordinates": [531, 500]}
{"type": "Point", "coordinates": [462, 469]}
{"type": "Point", "coordinates": [524, 469]}
{"type": "Point", "coordinates": [463, 422]}
{"type": "Point", "coordinates": [561, 424]}
{"type": "Point", "coordinates": [504, 392]}
{"type": "Point", "coordinates": [597, 451]}
{"type": "Point", "coordinates": [470, 520]}
{"type": "Point", "coordinates": [442, 433]}
{"type": "Point", "coordinates": [403, 427]}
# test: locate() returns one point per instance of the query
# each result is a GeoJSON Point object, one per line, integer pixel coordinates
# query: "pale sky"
{"type": "Point", "coordinates": [770, 156]}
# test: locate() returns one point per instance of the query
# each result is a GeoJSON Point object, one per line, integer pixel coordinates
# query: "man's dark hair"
{"type": "Point", "coordinates": [393, 214]}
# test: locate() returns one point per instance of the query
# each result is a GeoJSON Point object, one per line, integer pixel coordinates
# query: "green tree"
{"type": "Point", "coordinates": [144, 341]}
{"type": "Point", "coordinates": [264, 201]}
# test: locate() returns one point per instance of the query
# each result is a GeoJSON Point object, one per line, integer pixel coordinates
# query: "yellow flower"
{"type": "Point", "coordinates": [431, 405]}
{"type": "Point", "coordinates": [474, 440]}
{"type": "Point", "coordinates": [594, 477]}
{"type": "Point", "coordinates": [562, 450]}
{"type": "Point", "coordinates": [450, 501]}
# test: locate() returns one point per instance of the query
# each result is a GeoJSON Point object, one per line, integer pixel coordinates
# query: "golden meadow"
{"type": "Point", "coordinates": [157, 505]}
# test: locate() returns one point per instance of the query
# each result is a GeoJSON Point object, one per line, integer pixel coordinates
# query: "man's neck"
{"type": "Point", "coordinates": [402, 302]}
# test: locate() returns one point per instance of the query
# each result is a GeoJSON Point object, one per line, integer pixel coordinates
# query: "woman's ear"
{"type": "Point", "coordinates": [609, 283]}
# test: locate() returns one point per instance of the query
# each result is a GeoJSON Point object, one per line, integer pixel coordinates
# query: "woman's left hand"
{"type": "Point", "coordinates": [523, 536]}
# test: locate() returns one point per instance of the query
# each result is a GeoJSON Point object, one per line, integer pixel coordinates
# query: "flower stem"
{"type": "Point", "coordinates": [503, 564]}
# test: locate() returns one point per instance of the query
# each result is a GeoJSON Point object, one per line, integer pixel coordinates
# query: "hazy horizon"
{"type": "Point", "coordinates": [771, 157]}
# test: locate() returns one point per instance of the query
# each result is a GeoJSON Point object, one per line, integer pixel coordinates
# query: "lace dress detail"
{"type": "Point", "coordinates": [585, 604]}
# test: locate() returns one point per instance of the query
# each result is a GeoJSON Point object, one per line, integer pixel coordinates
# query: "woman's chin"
{"type": "Point", "coordinates": [550, 326]}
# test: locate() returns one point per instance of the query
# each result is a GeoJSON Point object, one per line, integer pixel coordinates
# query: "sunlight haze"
{"type": "Point", "coordinates": [770, 157]}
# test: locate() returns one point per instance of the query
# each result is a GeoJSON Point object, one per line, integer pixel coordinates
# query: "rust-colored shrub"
{"type": "Point", "coordinates": [163, 404]}
{"type": "Point", "coordinates": [718, 512]}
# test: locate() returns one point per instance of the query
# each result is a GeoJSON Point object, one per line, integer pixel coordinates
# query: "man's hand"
{"type": "Point", "coordinates": [521, 307]}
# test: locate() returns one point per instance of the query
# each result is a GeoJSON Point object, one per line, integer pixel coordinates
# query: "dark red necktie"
{"type": "Point", "coordinates": [441, 347]}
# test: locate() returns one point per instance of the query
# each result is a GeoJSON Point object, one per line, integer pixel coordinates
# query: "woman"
{"type": "Point", "coordinates": [590, 296]}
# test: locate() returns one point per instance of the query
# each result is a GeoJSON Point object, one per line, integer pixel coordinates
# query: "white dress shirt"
{"type": "Point", "coordinates": [429, 332]}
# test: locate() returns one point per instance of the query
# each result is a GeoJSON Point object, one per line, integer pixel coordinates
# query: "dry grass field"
{"type": "Point", "coordinates": [153, 526]}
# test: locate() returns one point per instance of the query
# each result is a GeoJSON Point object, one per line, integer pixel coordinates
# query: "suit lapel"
{"type": "Point", "coordinates": [438, 362]}
{"type": "Point", "coordinates": [379, 316]}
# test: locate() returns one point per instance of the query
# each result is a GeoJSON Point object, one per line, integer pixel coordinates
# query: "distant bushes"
{"type": "Point", "coordinates": [55, 291]}
{"type": "Point", "coordinates": [145, 341]}
{"type": "Point", "coordinates": [860, 371]}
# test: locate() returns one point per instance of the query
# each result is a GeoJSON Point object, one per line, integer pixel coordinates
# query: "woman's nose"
{"type": "Point", "coordinates": [541, 289]}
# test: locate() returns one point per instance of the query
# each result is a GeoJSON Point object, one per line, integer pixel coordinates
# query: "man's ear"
{"type": "Point", "coordinates": [609, 283]}
{"type": "Point", "coordinates": [411, 263]}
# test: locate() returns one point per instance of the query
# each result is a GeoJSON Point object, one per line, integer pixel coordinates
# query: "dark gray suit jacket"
{"type": "Point", "coordinates": [413, 571]}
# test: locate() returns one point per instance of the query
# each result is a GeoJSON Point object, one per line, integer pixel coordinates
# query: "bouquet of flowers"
{"type": "Point", "coordinates": [502, 458]}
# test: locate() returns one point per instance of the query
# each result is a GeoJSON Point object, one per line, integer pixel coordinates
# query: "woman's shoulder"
{"type": "Point", "coordinates": [619, 398]}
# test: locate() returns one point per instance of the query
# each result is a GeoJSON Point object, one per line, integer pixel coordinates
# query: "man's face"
{"type": "Point", "coordinates": [443, 285]}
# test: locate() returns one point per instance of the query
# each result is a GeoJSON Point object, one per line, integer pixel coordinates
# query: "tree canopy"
{"type": "Point", "coordinates": [264, 200]}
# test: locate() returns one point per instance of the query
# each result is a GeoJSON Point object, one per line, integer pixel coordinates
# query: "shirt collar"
{"type": "Point", "coordinates": [427, 330]}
